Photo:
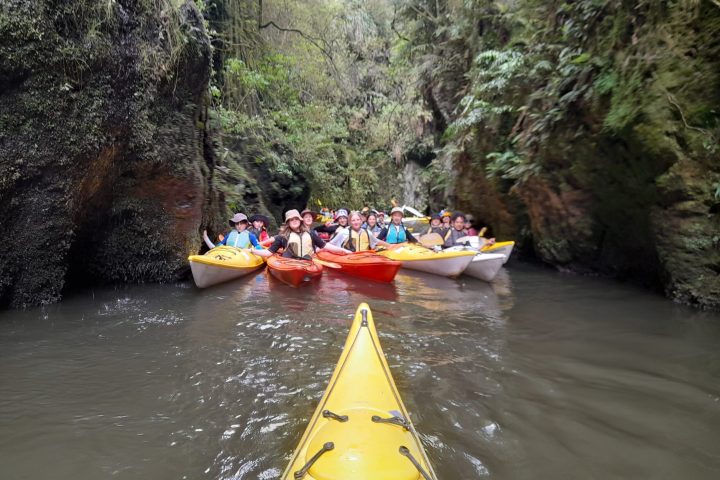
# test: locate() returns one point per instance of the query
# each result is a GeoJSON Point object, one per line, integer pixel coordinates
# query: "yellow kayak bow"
{"type": "Point", "coordinates": [361, 429]}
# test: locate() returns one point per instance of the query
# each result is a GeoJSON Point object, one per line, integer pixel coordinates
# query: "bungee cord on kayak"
{"type": "Point", "coordinates": [360, 428]}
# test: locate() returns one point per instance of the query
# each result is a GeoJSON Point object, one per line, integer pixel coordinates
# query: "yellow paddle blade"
{"type": "Point", "coordinates": [482, 232]}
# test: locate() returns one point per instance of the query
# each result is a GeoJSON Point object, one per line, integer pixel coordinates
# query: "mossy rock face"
{"type": "Point", "coordinates": [108, 173]}
{"type": "Point", "coordinates": [625, 178]}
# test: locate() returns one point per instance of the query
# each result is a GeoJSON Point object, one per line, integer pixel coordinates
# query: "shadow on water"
{"type": "Point", "coordinates": [535, 375]}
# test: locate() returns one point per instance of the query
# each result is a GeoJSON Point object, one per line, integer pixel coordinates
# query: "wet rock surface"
{"type": "Point", "coordinates": [104, 176]}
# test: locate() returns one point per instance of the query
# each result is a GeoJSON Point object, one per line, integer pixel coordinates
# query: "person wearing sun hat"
{"type": "Point", "coordinates": [308, 217]}
{"type": "Point", "coordinates": [297, 240]}
{"type": "Point", "coordinates": [436, 225]}
{"type": "Point", "coordinates": [260, 224]}
{"type": "Point", "coordinates": [239, 237]}
{"type": "Point", "coordinates": [340, 221]}
{"type": "Point", "coordinates": [446, 214]}
{"type": "Point", "coordinates": [395, 232]}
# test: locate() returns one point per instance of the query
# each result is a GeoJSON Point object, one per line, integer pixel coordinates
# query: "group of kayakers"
{"type": "Point", "coordinates": [345, 233]}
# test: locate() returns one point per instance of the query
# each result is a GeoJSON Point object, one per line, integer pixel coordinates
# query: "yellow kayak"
{"type": "Point", "coordinates": [505, 248]}
{"type": "Point", "coordinates": [222, 264]}
{"type": "Point", "coordinates": [445, 263]}
{"type": "Point", "coordinates": [361, 429]}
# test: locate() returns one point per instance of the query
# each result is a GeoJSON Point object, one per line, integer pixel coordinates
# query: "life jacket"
{"type": "Point", "coordinates": [357, 241]}
{"type": "Point", "coordinates": [453, 235]}
{"type": "Point", "coordinates": [238, 239]}
{"type": "Point", "coordinates": [440, 230]}
{"type": "Point", "coordinates": [396, 234]}
{"type": "Point", "coordinates": [300, 245]}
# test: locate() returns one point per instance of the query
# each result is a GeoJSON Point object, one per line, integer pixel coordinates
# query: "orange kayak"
{"type": "Point", "coordinates": [367, 265]}
{"type": "Point", "coordinates": [294, 272]}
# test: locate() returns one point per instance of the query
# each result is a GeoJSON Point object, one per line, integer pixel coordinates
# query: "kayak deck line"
{"type": "Point", "coordinates": [326, 396]}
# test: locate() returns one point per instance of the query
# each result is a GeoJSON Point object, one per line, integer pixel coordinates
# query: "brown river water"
{"type": "Point", "coordinates": [539, 375]}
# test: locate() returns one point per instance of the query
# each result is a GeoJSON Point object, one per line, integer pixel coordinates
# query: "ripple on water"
{"type": "Point", "coordinates": [545, 376]}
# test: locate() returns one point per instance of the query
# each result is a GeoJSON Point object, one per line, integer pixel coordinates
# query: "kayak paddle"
{"type": "Point", "coordinates": [431, 240]}
{"type": "Point", "coordinates": [326, 263]}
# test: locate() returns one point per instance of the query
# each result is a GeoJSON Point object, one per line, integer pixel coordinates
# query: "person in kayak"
{"type": "Point", "coordinates": [365, 212]}
{"type": "Point", "coordinates": [436, 225]}
{"type": "Point", "coordinates": [308, 217]}
{"type": "Point", "coordinates": [341, 221]}
{"type": "Point", "coordinates": [356, 238]}
{"type": "Point", "coordinates": [297, 240]}
{"type": "Point", "coordinates": [260, 224]}
{"type": "Point", "coordinates": [372, 224]}
{"type": "Point", "coordinates": [446, 219]}
{"type": "Point", "coordinates": [457, 231]}
{"type": "Point", "coordinates": [239, 237]}
{"type": "Point", "coordinates": [396, 232]}
{"type": "Point", "coordinates": [471, 231]}
{"type": "Point", "coordinates": [381, 219]}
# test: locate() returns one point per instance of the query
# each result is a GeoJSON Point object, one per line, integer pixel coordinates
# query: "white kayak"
{"type": "Point", "coordinates": [479, 243]}
{"type": "Point", "coordinates": [484, 266]}
{"type": "Point", "coordinates": [444, 263]}
{"type": "Point", "coordinates": [503, 248]}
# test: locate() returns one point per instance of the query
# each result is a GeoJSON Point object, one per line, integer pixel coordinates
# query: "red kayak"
{"type": "Point", "coordinates": [367, 265]}
{"type": "Point", "coordinates": [292, 271]}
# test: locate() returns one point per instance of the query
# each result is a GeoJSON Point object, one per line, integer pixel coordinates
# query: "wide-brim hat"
{"type": "Point", "coordinates": [341, 213]}
{"type": "Point", "coordinates": [260, 217]}
{"type": "Point", "coordinates": [307, 210]}
{"type": "Point", "coordinates": [237, 218]}
{"type": "Point", "coordinates": [435, 216]}
{"type": "Point", "coordinates": [397, 210]}
{"type": "Point", "coordinates": [290, 214]}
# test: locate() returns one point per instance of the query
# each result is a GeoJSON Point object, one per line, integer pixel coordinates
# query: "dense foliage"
{"type": "Point", "coordinates": [314, 88]}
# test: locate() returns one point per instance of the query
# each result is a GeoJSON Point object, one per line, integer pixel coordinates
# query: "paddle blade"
{"type": "Point", "coordinates": [413, 211]}
{"type": "Point", "coordinates": [431, 240]}
{"type": "Point", "coordinates": [326, 264]}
